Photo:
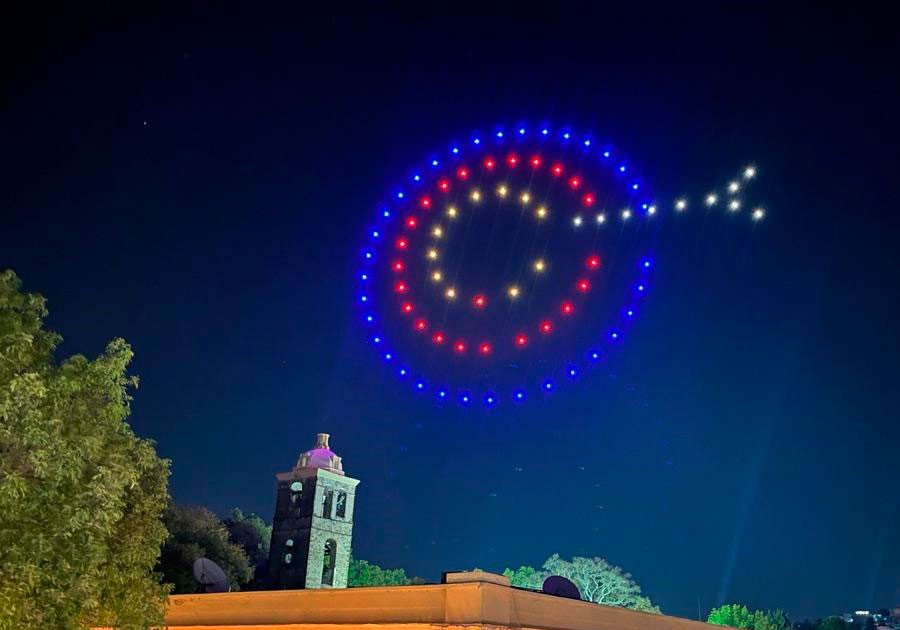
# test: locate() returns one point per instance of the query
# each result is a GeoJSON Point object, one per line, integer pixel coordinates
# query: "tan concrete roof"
{"type": "Point", "coordinates": [446, 606]}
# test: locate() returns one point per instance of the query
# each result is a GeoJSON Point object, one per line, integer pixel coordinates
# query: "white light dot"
{"type": "Point", "coordinates": [651, 211]}
{"type": "Point", "coordinates": [749, 172]}
{"type": "Point", "coordinates": [711, 199]}
{"type": "Point", "coordinates": [758, 214]}
{"type": "Point", "coordinates": [733, 187]}
{"type": "Point", "coordinates": [626, 214]}
{"type": "Point", "coordinates": [601, 219]}
{"type": "Point", "coordinates": [681, 205]}
{"type": "Point", "coordinates": [734, 205]}
{"type": "Point", "coordinates": [576, 221]}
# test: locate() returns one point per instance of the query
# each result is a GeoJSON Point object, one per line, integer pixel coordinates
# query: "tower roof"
{"type": "Point", "coordinates": [320, 456]}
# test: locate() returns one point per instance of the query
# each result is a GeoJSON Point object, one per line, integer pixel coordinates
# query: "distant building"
{"type": "Point", "coordinates": [313, 524]}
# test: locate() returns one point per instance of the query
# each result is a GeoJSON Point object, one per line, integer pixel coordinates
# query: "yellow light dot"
{"type": "Point", "coordinates": [502, 190]}
{"type": "Point", "coordinates": [450, 293]}
{"type": "Point", "coordinates": [437, 232]}
{"type": "Point", "coordinates": [432, 254]}
{"type": "Point", "coordinates": [475, 195]}
{"type": "Point", "coordinates": [513, 291]}
{"type": "Point", "coordinates": [437, 276]}
{"type": "Point", "coordinates": [452, 212]}
{"type": "Point", "coordinates": [541, 212]}
{"type": "Point", "coordinates": [539, 265]}
{"type": "Point", "coordinates": [525, 198]}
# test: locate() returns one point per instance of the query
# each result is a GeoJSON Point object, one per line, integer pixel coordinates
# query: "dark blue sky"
{"type": "Point", "coordinates": [199, 185]}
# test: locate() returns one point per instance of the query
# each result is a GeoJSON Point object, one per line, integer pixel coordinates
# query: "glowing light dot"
{"type": "Point", "coordinates": [475, 195]}
{"type": "Point", "coordinates": [587, 143]}
{"type": "Point", "coordinates": [452, 212]}
{"type": "Point", "coordinates": [521, 340]}
{"type": "Point", "coordinates": [545, 131]}
{"type": "Point", "coordinates": [566, 308]}
{"type": "Point", "coordinates": [485, 348]}
{"type": "Point", "coordinates": [407, 307]}
{"type": "Point", "coordinates": [626, 214]}
{"type": "Point", "coordinates": [364, 276]}
{"type": "Point", "coordinates": [459, 346]}
{"type": "Point", "coordinates": [572, 372]}
{"type": "Point", "coordinates": [634, 186]}
{"type": "Point", "coordinates": [733, 187]}
{"type": "Point", "coordinates": [513, 291]}
{"type": "Point", "coordinates": [401, 287]}
{"type": "Point", "coordinates": [651, 211]}
{"type": "Point", "coordinates": [442, 393]}
{"type": "Point", "coordinates": [464, 399]}
{"type": "Point", "coordinates": [477, 140]}
{"type": "Point", "coordinates": [411, 222]}
{"type": "Point", "coordinates": [398, 266]}
{"type": "Point", "coordinates": [681, 205]}
{"type": "Point", "coordinates": [758, 214]}
{"type": "Point", "coordinates": [535, 161]}
{"type": "Point", "coordinates": [593, 262]}
{"type": "Point", "coordinates": [622, 169]}
{"type": "Point", "coordinates": [548, 386]}
{"type": "Point", "coordinates": [437, 276]}
{"type": "Point", "coordinates": [583, 285]}
{"type": "Point", "coordinates": [749, 172]}
{"type": "Point", "coordinates": [502, 190]}
{"type": "Point", "coordinates": [606, 154]}
{"type": "Point", "coordinates": [711, 199]}
{"type": "Point", "coordinates": [539, 265]}
{"type": "Point", "coordinates": [519, 395]}
{"type": "Point", "coordinates": [443, 185]}
{"type": "Point", "coordinates": [499, 134]}
{"type": "Point", "coordinates": [525, 198]}
{"type": "Point", "coordinates": [490, 399]}
{"type": "Point", "coordinates": [557, 169]}
{"type": "Point", "coordinates": [601, 219]}
{"type": "Point", "coordinates": [567, 135]}
{"type": "Point", "coordinates": [420, 385]}
{"type": "Point", "coordinates": [512, 159]}
{"type": "Point", "coordinates": [546, 327]}
{"type": "Point", "coordinates": [541, 213]}
{"type": "Point", "coordinates": [399, 195]}
{"type": "Point", "coordinates": [438, 338]}
{"type": "Point", "coordinates": [450, 293]}
{"type": "Point", "coordinates": [386, 214]}
{"type": "Point", "coordinates": [437, 231]}
{"type": "Point", "coordinates": [402, 243]}
{"type": "Point", "coordinates": [734, 205]}
{"type": "Point", "coordinates": [434, 162]}
{"type": "Point", "coordinates": [462, 172]}
{"type": "Point", "coordinates": [577, 220]}
{"type": "Point", "coordinates": [574, 183]}
{"type": "Point", "coordinates": [479, 301]}
{"type": "Point", "coordinates": [416, 178]}
{"type": "Point", "coordinates": [421, 325]}
{"type": "Point", "coordinates": [432, 254]}
{"type": "Point", "coordinates": [522, 131]}
{"type": "Point", "coordinates": [455, 150]}
{"type": "Point", "coordinates": [588, 199]}
{"type": "Point", "coordinates": [375, 234]}
{"type": "Point", "coordinates": [388, 356]}
{"type": "Point", "coordinates": [489, 163]}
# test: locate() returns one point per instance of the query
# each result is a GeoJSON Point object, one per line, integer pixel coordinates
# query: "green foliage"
{"type": "Point", "coordinates": [597, 580]}
{"type": "Point", "coordinates": [833, 623]}
{"type": "Point", "coordinates": [253, 535]}
{"type": "Point", "coordinates": [80, 494]}
{"type": "Point", "coordinates": [363, 573]}
{"type": "Point", "coordinates": [734, 615]}
{"type": "Point", "coordinates": [526, 577]}
{"type": "Point", "coordinates": [739, 616]}
{"type": "Point", "coordinates": [195, 532]}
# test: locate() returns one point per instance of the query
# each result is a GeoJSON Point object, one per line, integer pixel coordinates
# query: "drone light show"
{"type": "Point", "coordinates": [513, 264]}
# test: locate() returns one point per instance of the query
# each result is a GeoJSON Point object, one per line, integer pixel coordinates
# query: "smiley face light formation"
{"type": "Point", "coordinates": [512, 263]}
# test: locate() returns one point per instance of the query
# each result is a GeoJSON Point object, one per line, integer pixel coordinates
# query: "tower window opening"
{"type": "Point", "coordinates": [327, 502]}
{"type": "Point", "coordinates": [328, 561]}
{"type": "Point", "coordinates": [341, 508]}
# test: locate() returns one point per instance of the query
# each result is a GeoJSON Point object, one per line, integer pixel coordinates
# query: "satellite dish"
{"type": "Point", "coordinates": [559, 586]}
{"type": "Point", "coordinates": [210, 576]}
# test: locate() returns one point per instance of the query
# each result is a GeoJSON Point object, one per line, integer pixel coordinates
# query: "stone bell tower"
{"type": "Point", "coordinates": [313, 524]}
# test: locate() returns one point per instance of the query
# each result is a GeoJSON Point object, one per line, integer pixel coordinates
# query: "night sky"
{"type": "Point", "coordinates": [201, 184]}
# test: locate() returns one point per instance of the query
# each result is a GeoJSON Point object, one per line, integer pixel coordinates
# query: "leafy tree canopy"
{"type": "Point", "coordinates": [739, 616]}
{"type": "Point", "coordinates": [597, 580]}
{"type": "Point", "coordinates": [364, 573]}
{"type": "Point", "coordinates": [195, 532]}
{"type": "Point", "coordinates": [80, 494]}
{"type": "Point", "coordinates": [252, 534]}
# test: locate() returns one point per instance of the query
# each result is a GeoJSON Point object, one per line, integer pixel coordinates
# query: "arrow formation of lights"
{"type": "Point", "coordinates": [414, 233]}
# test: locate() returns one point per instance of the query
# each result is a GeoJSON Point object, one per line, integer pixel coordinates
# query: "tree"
{"type": "Point", "coordinates": [734, 615]}
{"type": "Point", "coordinates": [526, 577]}
{"type": "Point", "coordinates": [771, 620]}
{"type": "Point", "coordinates": [80, 494]}
{"type": "Point", "coordinates": [195, 532]}
{"type": "Point", "coordinates": [253, 535]}
{"type": "Point", "coordinates": [363, 573]}
{"type": "Point", "coordinates": [832, 623]}
{"type": "Point", "coordinates": [601, 582]}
